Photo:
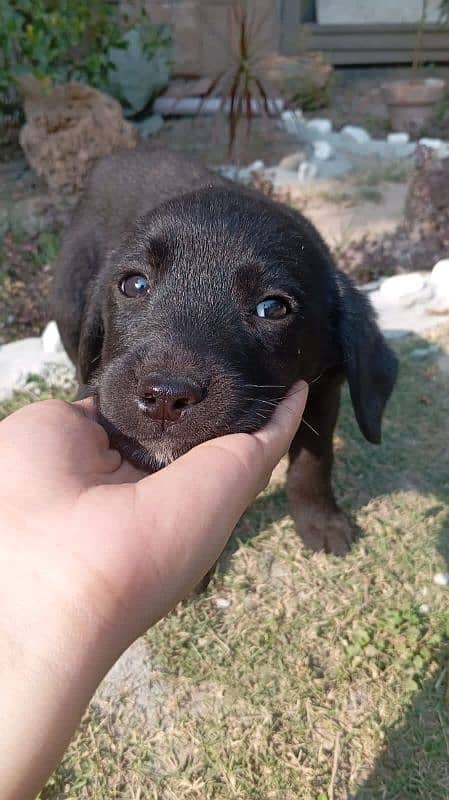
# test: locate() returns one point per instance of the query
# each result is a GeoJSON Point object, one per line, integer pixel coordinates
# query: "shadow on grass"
{"type": "Point", "coordinates": [414, 762]}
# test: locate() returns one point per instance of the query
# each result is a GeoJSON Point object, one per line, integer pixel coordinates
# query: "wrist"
{"type": "Point", "coordinates": [53, 654]}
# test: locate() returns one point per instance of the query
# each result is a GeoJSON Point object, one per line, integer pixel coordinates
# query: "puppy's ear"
{"type": "Point", "coordinates": [91, 340]}
{"type": "Point", "coordinates": [370, 366]}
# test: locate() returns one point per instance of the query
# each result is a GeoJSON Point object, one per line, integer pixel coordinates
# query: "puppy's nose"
{"type": "Point", "coordinates": [165, 399]}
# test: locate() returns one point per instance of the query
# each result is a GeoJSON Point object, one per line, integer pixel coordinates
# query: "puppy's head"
{"type": "Point", "coordinates": [206, 314]}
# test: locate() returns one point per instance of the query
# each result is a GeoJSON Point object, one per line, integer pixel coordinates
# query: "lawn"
{"type": "Point", "coordinates": [300, 676]}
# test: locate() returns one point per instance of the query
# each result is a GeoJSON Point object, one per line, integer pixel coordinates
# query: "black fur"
{"type": "Point", "coordinates": [211, 251]}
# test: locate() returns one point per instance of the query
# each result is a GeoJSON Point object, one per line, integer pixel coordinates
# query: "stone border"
{"type": "Point", "coordinates": [326, 154]}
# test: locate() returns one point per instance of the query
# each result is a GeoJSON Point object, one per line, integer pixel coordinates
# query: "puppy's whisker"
{"type": "Point", "coordinates": [316, 379]}
{"type": "Point", "coordinates": [308, 425]}
{"type": "Point", "coordinates": [261, 400]}
{"type": "Point", "coordinates": [262, 416]}
{"type": "Point", "coordinates": [265, 386]}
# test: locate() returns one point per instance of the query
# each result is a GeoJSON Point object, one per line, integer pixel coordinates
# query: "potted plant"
{"type": "Point", "coordinates": [411, 102]}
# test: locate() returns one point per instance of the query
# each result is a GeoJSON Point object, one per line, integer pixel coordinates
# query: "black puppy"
{"type": "Point", "coordinates": [190, 305]}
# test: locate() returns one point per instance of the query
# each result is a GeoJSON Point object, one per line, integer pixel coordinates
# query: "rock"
{"type": "Point", "coordinates": [439, 277]}
{"type": "Point", "coordinates": [293, 121]}
{"type": "Point", "coordinates": [441, 578]}
{"type": "Point", "coordinates": [372, 286]}
{"type": "Point", "coordinates": [433, 144]}
{"type": "Point", "coordinates": [245, 174]}
{"type": "Point", "coordinates": [24, 357]}
{"type": "Point", "coordinates": [322, 150]}
{"type": "Point", "coordinates": [292, 161]}
{"type": "Point", "coordinates": [307, 172]}
{"type": "Point", "coordinates": [256, 166]}
{"type": "Point", "coordinates": [320, 125]}
{"type": "Point", "coordinates": [439, 280]}
{"type": "Point", "coordinates": [68, 128]}
{"type": "Point", "coordinates": [138, 74]}
{"type": "Point", "coordinates": [398, 138]}
{"type": "Point", "coordinates": [222, 602]}
{"type": "Point", "coordinates": [360, 135]}
{"type": "Point", "coordinates": [406, 290]}
{"type": "Point", "coordinates": [51, 340]}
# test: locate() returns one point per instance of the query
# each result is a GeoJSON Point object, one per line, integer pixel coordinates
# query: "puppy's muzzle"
{"type": "Point", "coordinates": [166, 399]}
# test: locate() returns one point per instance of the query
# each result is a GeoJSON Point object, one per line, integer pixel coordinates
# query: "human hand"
{"type": "Point", "coordinates": [92, 553]}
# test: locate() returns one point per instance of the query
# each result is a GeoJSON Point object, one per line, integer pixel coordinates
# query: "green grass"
{"type": "Point", "coordinates": [318, 677]}
{"type": "Point", "coordinates": [36, 389]}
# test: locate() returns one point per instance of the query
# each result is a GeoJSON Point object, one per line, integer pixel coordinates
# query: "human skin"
{"type": "Point", "coordinates": [93, 552]}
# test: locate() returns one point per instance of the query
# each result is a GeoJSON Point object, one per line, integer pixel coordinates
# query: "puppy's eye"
{"type": "Point", "coordinates": [134, 286]}
{"type": "Point", "coordinates": [272, 308]}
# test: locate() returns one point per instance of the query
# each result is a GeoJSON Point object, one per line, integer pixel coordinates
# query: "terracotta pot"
{"type": "Point", "coordinates": [411, 103]}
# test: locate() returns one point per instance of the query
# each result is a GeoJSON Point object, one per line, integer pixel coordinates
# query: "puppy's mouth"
{"type": "Point", "coordinates": [154, 413]}
{"type": "Point", "coordinates": [168, 440]}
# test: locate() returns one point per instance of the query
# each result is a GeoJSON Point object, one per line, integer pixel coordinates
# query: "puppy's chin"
{"type": "Point", "coordinates": [151, 458]}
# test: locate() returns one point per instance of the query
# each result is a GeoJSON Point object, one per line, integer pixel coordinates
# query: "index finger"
{"type": "Point", "coordinates": [229, 471]}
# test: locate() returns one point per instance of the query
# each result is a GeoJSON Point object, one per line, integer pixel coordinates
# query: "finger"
{"type": "Point", "coordinates": [277, 435]}
{"type": "Point", "coordinates": [127, 473]}
{"type": "Point", "coordinates": [205, 492]}
{"type": "Point", "coordinates": [118, 470]}
{"type": "Point", "coordinates": [87, 406]}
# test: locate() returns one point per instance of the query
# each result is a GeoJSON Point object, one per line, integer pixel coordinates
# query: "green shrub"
{"type": "Point", "coordinates": [58, 39]}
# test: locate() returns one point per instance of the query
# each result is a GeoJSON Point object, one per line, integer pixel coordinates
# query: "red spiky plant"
{"type": "Point", "coordinates": [242, 86]}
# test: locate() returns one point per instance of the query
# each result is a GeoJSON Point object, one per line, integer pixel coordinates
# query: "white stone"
{"type": "Point", "coordinates": [307, 172]}
{"type": "Point", "coordinates": [320, 125]}
{"type": "Point", "coordinates": [441, 578]}
{"type": "Point", "coordinates": [406, 290]}
{"type": "Point", "coordinates": [322, 150]}
{"type": "Point", "coordinates": [372, 286]}
{"type": "Point", "coordinates": [24, 357]}
{"type": "Point", "coordinates": [424, 608]}
{"type": "Point", "coordinates": [245, 174]}
{"type": "Point", "coordinates": [292, 121]}
{"type": "Point", "coordinates": [256, 166]}
{"type": "Point", "coordinates": [439, 277]}
{"type": "Point", "coordinates": [51, 340]}
{"type": "Point", "coordinates": [292, 161]}
{"type": "Point", "coordinates": [230, 171]}
{"type": "Point", "coordinates": [443, 151]}
{"type": "Point", "coordinates": [360, 135]}
{"type": "Point", "coordinates": [222, 602]}
{"type": "Point", "coordinates": [433, 144]}
{"type": "Point", "coordinates": [398, 138]}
